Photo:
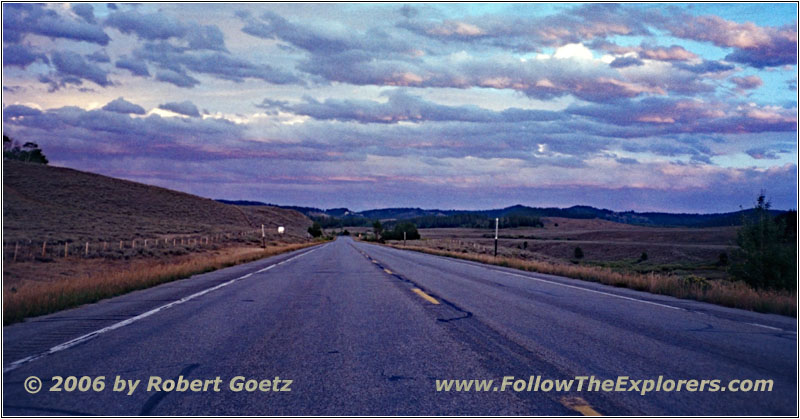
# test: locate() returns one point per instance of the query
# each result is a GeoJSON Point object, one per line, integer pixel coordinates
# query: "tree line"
{"type": "Point", "coordinates": [27, 152]}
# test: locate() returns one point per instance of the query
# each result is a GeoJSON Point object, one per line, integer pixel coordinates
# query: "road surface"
{"type": "Point", "coordinates": [362, 329]}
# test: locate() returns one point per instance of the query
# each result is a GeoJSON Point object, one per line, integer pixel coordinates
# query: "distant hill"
{"type": "Point", "coordinates": [64, 204]}
{"type": "Point", "coordinates": [346, 217]}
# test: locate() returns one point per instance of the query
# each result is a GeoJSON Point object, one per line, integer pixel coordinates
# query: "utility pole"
{"type": "Point", "coordinates": [496, 227]}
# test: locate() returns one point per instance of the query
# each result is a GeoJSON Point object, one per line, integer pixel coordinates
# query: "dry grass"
{"type": "Point", "coordinates": [30, 298]}
{"type": "Point", "coordinates": [725, 293]}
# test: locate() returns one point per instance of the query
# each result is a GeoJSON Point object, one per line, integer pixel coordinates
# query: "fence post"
{"type": "Point", "coordinates": [66, 249]}
{"type": "Point", "coordinates": [86, 253]}
{"type": "Point", "coordinates": [16, 248]}
{"type": "Point", "coordinates": [44, 248]}
{"type": "Point", "coordinates": [145, 243]}
{"type": "Point", "coordinates": [120, 245]}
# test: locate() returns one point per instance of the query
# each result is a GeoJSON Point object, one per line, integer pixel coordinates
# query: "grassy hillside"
{"type": "Point", "coordinates": [68, 205]}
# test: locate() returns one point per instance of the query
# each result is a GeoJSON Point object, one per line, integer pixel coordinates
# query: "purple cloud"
{"type": "Point", "coordinates": [747, 83]}
{"type": "Point", "coordinates": [21, 56]}
{"type": "Point", "coordinates": [136, 67]}
{"type": "Point", "coordinates": [402, 106]}
{"type": "Point", "coordinates": [184, 108]}
{"type": "Point", "coordinates": [20, 19]}
{"type": "Point", "coordinates": [177, 78]}
{"type": "Point", "coordinates": [71, 67]}
{"type": "Point", "coordinates": [151, 27]}
{"type": "Point", "coordinates": [85, 11]}
{"type": "Point", "coordinates": [621, 62]}
{"type": "Point", "coordinates": [758, 46]}
{"type": "Point", "coordinates": [120, 105]}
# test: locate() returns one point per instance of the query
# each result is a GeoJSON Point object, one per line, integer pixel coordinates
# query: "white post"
{"type": "Point", "coordinates": [496, 227]}
{"type": "Point", "coordinates": [404, 238]}
{"type": "Point", "coordinates": [263, 237]}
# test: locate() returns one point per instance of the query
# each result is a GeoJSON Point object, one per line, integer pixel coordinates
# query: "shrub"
{"type": "Point", "coordinates": [315, 230]}
{"type": "Point", "coordinates": [643, 257]}
{"type": "Point", "coordinates": [578, 253]}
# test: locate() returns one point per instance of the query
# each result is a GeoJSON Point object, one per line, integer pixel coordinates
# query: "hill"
{"type": "Point", "coordinates": [63, 204]}
{"type": "Point", "coordinates": [342, 217]}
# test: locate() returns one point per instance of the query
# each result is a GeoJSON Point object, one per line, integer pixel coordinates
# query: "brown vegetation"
{"type": "Point", "coordinates": [730, 294]}
{"type": "Point", "coordinates": [165, 235]}
{"type": "Point", "coordinates": [32, 298]}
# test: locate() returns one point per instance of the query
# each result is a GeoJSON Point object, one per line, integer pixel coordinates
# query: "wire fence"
{"type": "Point", "coordinates": [45, 250]}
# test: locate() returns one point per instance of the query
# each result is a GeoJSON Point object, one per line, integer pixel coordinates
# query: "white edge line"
{"type": "Point", "coordinates": [771, 328]}
{"type": "Point", "coordinates": [565, 285]}
{"type": "Point", "coordinates": [598, 292]}
{"type": "Point", "coordinates": [91, 335]}
{"type": "Point", "coordinates": [591, 290]}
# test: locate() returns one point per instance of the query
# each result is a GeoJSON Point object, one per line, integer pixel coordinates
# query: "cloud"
{"type": "Point", "coordinates": [20, 19]}
{"type": "Point", "coordinates": [177, 60]}
{"type": "Point", "coordinates": [151, 27]}
{"type": "Point", "coordinates": [758, 46]}
{"type": "Point", "coordinates": [747, 83]}
{"type": "Point", "coordinates": [206, 37]}
{"type": "Point", "coordinates": [660, 116]}
{"type": "Point", "coordinates": [120, 105]}
{"type": "Point", "coordinates": [577, 24]}
{"type": "Point", "coordinates": [11, 112]}
{"type": "Point", "coordinates": [760, 153]}
{"type": "Point", "coordinates": [136, 67]}
{"type": "Point", "coordinates": [184, 108]}
{"type": "Point", "coordinates": [706, 66]}
{"type": "Point", "coordinates": [621, 62]}
{"type": "Point", "coordinates": [402, 106]}
{"type": "Point", "coordinates": [99, 57]}
{"type": "Point", "coordinates": [72, 68]}
{"type": "Point", "coordinates": [177, 78]}
{"type": "Point", "coordinates": [22, 56]}
{"type": "Point", "coordinates": [159, 27]}
{"type": "Point", "coordinates": [85, 11]}
{"type": "Point", "coordinates": [112, 134]}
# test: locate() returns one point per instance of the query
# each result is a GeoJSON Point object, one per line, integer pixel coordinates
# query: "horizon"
{"type": "Point", "coordinates": [495, 208]}
{"type": "Point", "coordinates": [674, 108]}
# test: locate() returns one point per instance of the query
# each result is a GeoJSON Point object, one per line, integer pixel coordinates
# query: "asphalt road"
{"type": "Point", "coordinates": [362, 329]}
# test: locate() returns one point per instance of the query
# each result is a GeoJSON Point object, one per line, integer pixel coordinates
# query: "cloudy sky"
{"type": "Point", "coordinates": [649, 107]}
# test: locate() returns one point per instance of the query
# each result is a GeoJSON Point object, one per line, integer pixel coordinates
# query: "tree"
{"type": "Point", "coordinates": [766, 257]}
{"type": "Point", "coordinates": [29, 152]}
{"type": "Point", "coordinates": [315, 230]}
{"type": "Point", "coordinates": [409, 229]}
{"type": "Point", "coordinates": [643, 257]}
{"type": "Point", "coordinates": [378, 229]}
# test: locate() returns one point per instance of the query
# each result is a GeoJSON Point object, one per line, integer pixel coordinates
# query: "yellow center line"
{"type": "Point", "coordinates": [427, 297]}
{"type": "Point", "coordinates": [387, 271]}
{"type": "Point", "coordinates": [579, 405]}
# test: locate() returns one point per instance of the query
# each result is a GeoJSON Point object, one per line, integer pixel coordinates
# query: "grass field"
{"type": "Point", "coordinates": [164, 235]}
{"type": "Point", "coordinates": [680, 251]}
{"type": "Point", "coordinates": [681, 262]}
{"type": "Point", "coordinates": [27, 298]}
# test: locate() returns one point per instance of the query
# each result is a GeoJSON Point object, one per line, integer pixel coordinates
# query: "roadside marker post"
{"type": "Point", "coordinates": [263, 237]}
{"type": "Point", "coordinates": [496, 227]}
{"type": "Point", "coordinates": [404, 238]}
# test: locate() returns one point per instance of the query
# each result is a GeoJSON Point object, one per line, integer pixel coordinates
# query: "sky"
{"type": "Point", "coordinates": [645, 107]}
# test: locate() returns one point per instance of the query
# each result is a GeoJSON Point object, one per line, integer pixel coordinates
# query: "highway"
{"type": "Point", "coordinates": [362, 329]}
